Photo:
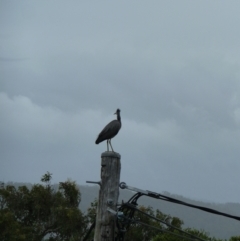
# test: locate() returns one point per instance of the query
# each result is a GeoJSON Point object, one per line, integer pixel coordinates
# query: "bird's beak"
{"type": "Point", "coordinates": [115, 113]}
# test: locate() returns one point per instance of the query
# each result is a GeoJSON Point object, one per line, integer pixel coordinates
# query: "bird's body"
{"type": "Point", "coordinates": [110, 130]}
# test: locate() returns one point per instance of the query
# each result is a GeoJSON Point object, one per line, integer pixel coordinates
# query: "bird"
{"type": "Point", "coordinates": [110, 130]}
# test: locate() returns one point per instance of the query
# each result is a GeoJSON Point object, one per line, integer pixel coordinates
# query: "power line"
{"type": "Point", "coordinates": [169, 232]}
{"type": "Point", "coordinates": [173, 200]}
{"type": "Point", "coordinates": [161, 221]}
{"type": "Point", "coordinates": [129, 208]}
{"type": "Point", "coordinates": [132, 221]}
{"type": "Point", "coordinates": [209, 210]}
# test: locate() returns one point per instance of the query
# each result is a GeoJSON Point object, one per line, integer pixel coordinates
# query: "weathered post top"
{"type": "Point", "coordinates": [108, 196]}
{"type": "Point", "coordinates": [111, 154]}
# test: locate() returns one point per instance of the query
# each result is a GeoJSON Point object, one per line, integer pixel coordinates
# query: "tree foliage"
{"type": "Point", "coordinates": [44, 213]}
{"type": "Point", "coordinates": [150, 230]}
{"type": "Point", "coordinates": [41, 212]}
{"type": "Point", "coordinates": [235, 238]}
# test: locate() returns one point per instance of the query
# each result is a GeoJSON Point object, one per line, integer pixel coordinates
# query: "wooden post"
{"type": "Point", "coordinates": [108, 196]}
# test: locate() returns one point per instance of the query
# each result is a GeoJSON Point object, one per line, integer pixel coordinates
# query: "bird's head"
{"type": "Point", "coordinates": [117, 112]}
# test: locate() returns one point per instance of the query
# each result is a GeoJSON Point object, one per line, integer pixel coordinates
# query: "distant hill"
{"type": "Point", "coordinates": [217, 226]}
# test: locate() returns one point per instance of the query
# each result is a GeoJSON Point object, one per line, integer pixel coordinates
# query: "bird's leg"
{"type": "Point", "coordinates": [111, 145]}
{"type": "Point", "coordinates": [107, 146]}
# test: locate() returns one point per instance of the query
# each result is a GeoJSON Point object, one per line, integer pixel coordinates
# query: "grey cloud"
{"type": "Point", "coordinates": [171, 67]}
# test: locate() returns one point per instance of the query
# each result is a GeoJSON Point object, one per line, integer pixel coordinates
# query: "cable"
{"type": "Point", "coordinates": [209, 210]}
{"type": "Point", "coordinates": [140, 193]}
{"type": "Point", "coordinates": [89, 231]}
{"type": "Point", "coordinates": [166, 231]}
{"type": "Point", "coordinates": [159, 220]}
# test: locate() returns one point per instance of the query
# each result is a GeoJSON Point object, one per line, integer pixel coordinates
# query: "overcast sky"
{"type": "Point", "coordinates": [172, 67]}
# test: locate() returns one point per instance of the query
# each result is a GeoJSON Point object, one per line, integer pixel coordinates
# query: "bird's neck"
{"type": "Point", "coordinates": [118, 117]}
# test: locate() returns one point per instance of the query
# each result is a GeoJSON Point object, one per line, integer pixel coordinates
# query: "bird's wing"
{"type": "Point", "coordinates": [110, 130]}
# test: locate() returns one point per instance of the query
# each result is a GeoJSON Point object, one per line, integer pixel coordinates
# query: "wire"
{"type": "Point", "coordinates": [140, 193]}
{"type": "Point", "coordinates": [89, 231]}
{"type": "Point", "coordinates": [166, 231]}
{"type": "Point", "coordinates": [159, 220]}
{"type": "Point", "coordinates": [209, 210]}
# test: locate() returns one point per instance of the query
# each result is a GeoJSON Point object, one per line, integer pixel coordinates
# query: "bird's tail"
{"type": "Point", "coordinates": [97, 141]}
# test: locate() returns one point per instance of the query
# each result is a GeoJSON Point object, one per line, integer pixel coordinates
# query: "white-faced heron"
{"type": "Point", "coordinates": [110, 130]}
